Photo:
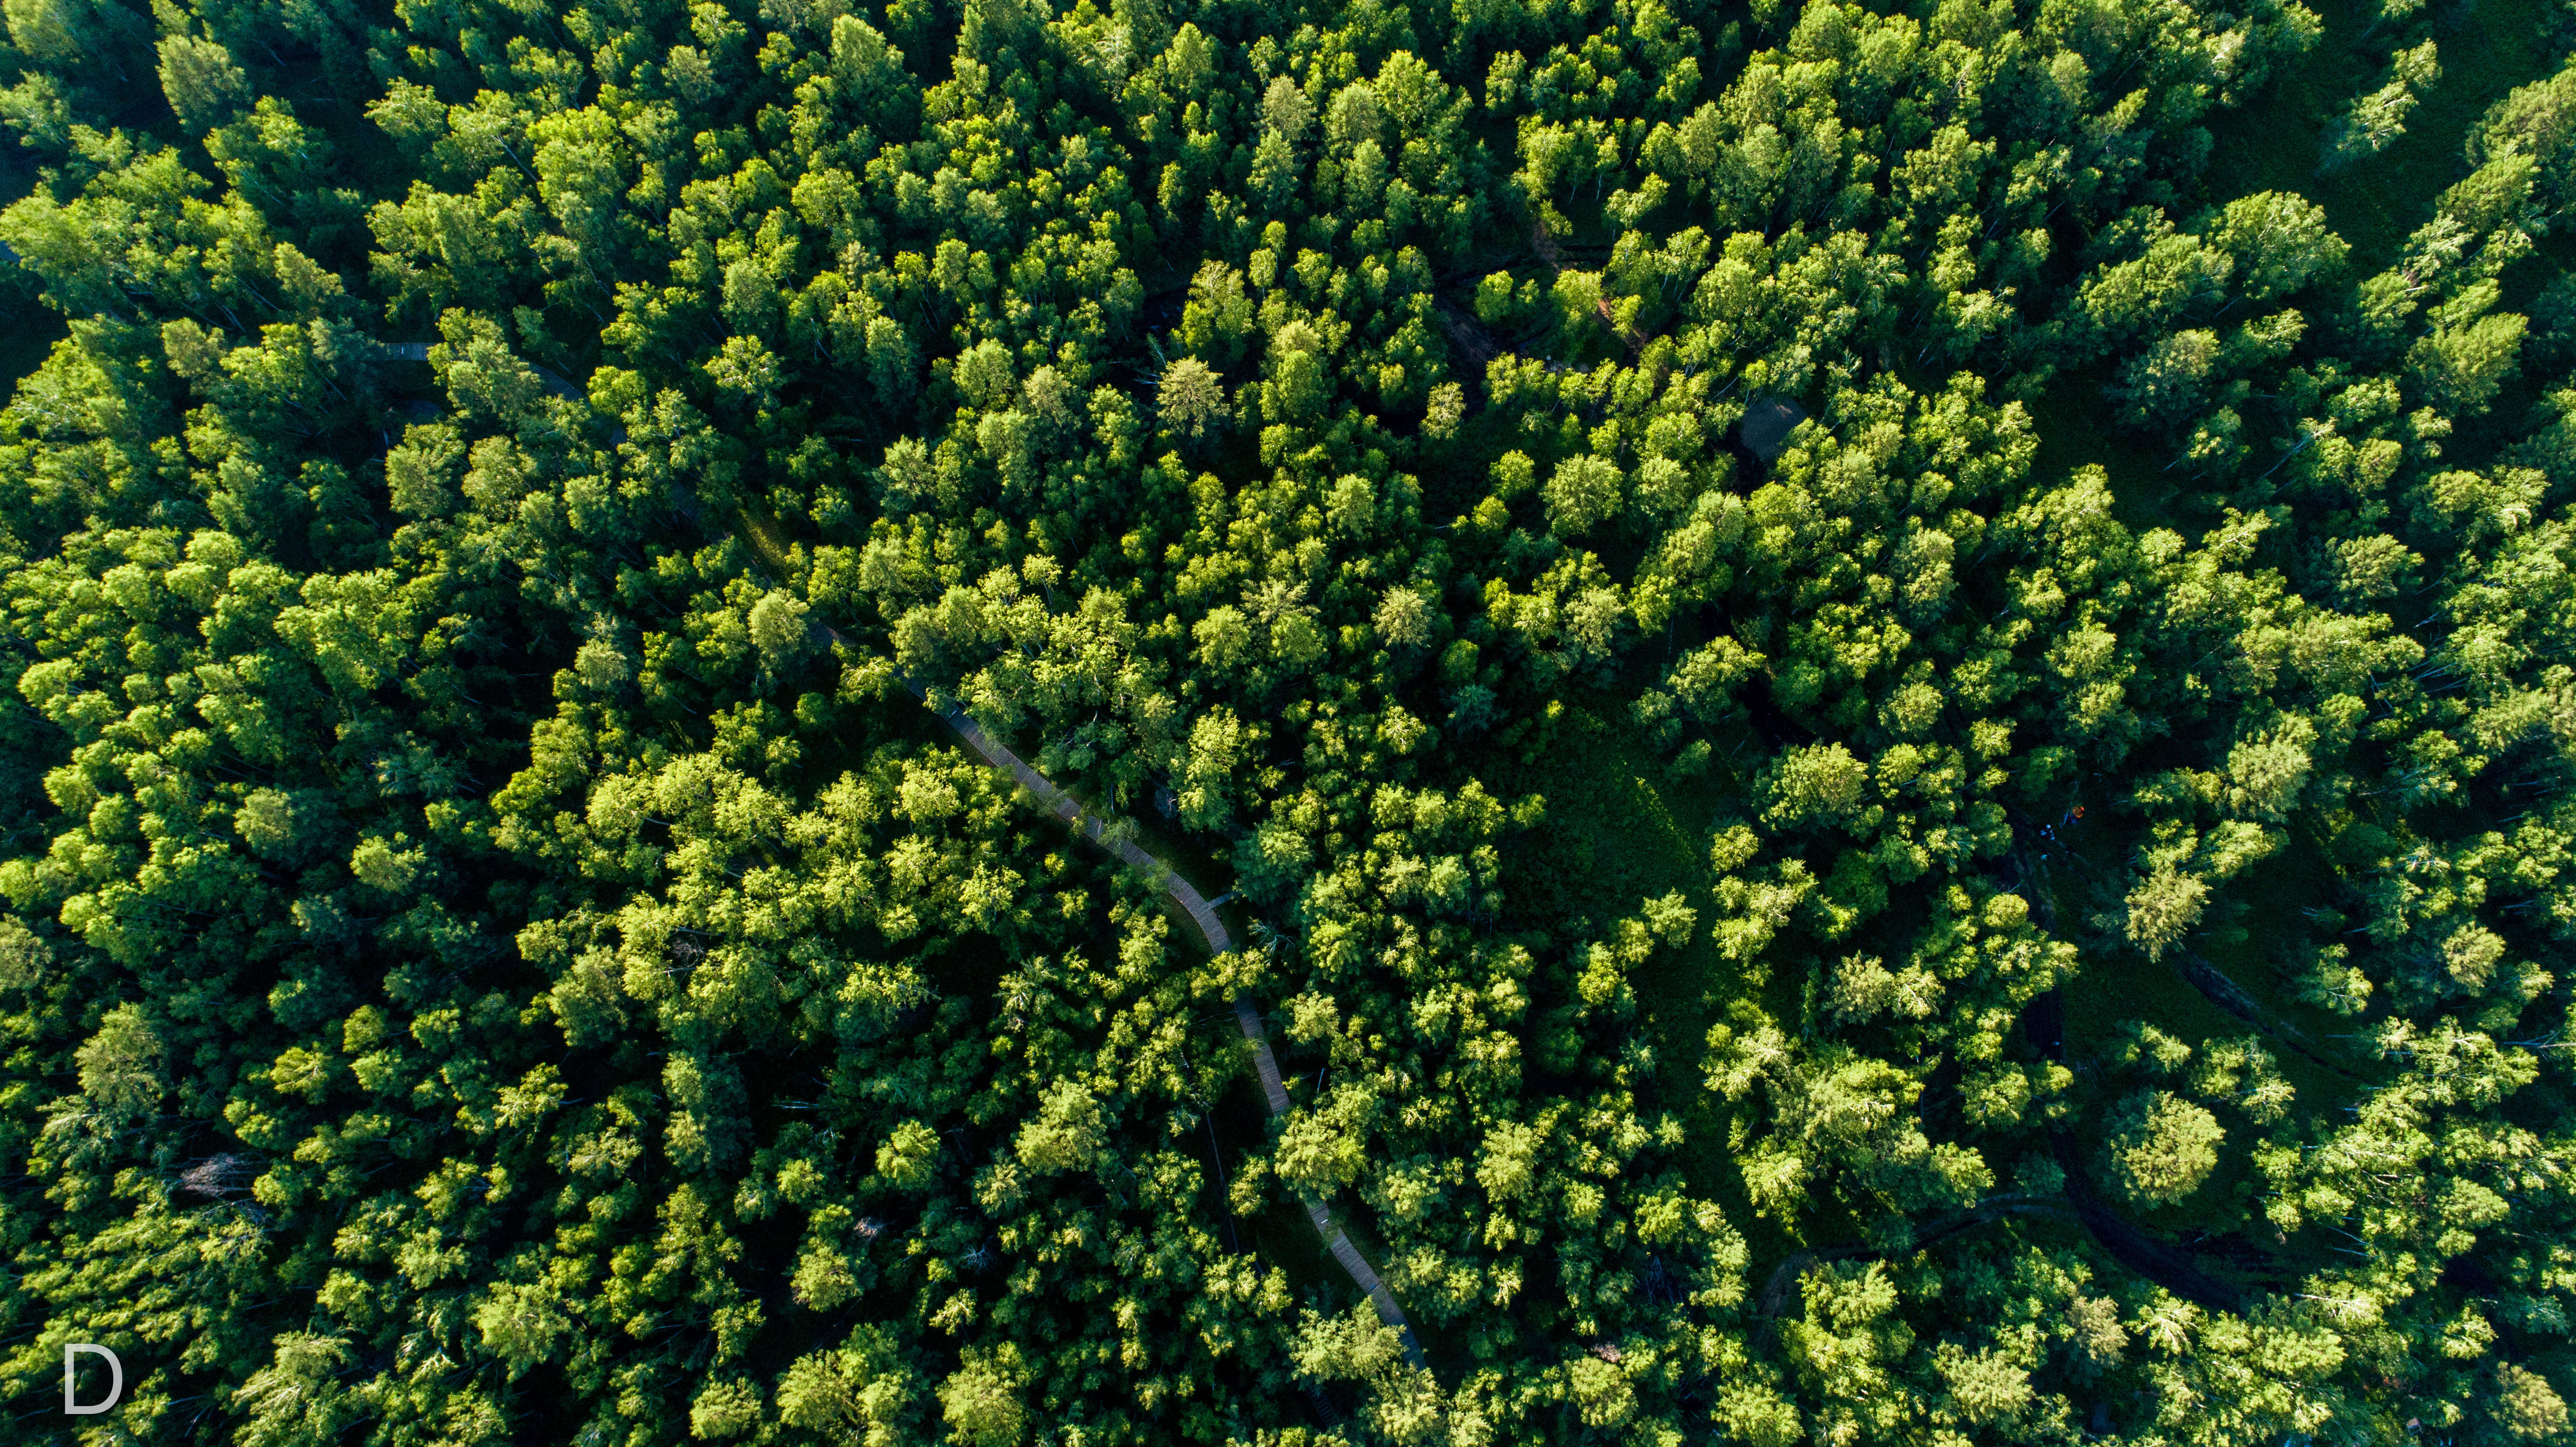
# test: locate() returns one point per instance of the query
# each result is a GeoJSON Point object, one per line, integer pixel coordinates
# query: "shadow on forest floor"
{"type": "Point", "coordinates": [28, 328]}
{"type": "Point", "coordinates": [1620, 829]}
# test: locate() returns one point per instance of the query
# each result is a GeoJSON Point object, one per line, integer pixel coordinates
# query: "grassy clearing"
{"type": "Point", "coordinates": [2487, 49]}
{"type": "Point", "coordinates": [2069, 418]}
{"type": "Point", "coordinates": [767, 539]}
{"type": "Point", "coordinates": [2250, 936]}
{"type": "Point", "coordinates": [1621, 829]}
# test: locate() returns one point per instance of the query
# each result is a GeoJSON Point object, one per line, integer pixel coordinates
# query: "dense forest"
{"type": "Point", "coordinates": [1880, 695]}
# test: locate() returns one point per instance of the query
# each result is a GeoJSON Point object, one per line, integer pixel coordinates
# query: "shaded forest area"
{"type": "Point", "coordinates": [2030, 907]}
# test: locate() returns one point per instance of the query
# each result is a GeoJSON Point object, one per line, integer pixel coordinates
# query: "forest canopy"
{"type": "Point", "coordinates": [1289, 724]}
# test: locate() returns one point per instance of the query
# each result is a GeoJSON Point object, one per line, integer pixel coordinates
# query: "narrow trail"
{"type": "Point", "coordinates": [1102, 831]}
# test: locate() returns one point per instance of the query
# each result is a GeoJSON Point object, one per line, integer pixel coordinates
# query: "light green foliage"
{"type": "Point", "coordinates": [980, 1402]}
{"type": "Point", "coordinates": [201, 81]}
{"type": "Point", "coordinates": [1812, 611]}
{"type": "Point", "coordinates": [1821, 783]}
{"type": "Point", "coordinates": [2377, 118]}
{"type": "Point", "coordinates": [910, 1156]}
{"type": "Point", "coordinates": [2160, 1148]}
{"type": "Point", "coordinates": [1581, 494]}
{"type": "Point", "coordinates": [2280, 241]}
{"type": "Point", "coordinates": [2539, 121]}
{"type": "Point", "coordinates": [2168, 382]}
{"type": "Point", "coordinates": [1190, 397]}
{"type": "Point", "coordinates": [1066, 1134]}
{"type": "Point", "coordinates": [121, 1066]}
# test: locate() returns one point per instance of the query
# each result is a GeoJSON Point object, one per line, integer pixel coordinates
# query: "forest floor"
{"type": "Point", "coordinates": [2274, 142]}
{"type": "Point", "coordinates": [28, 328]}
{"type": "Point", "coordinates": [1621, 828]}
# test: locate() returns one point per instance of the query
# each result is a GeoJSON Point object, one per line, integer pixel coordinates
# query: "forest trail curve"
{"type": "Point", "coordinates": [1220, 941]}
{"type": "Point", "coordinates": [1102, 831]}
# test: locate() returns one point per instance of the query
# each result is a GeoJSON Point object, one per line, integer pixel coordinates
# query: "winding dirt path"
{"type": "Point", "coordinates": [1181, 892]}
{"type": "Point", "coordinates": [1100, 828]}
